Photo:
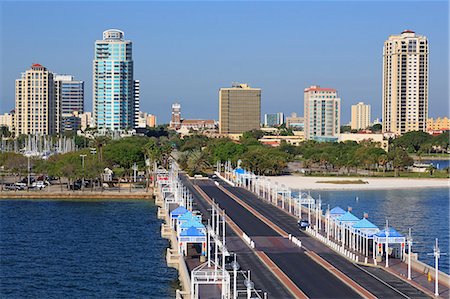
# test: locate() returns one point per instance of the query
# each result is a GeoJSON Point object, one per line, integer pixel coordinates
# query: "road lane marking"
{"type": "Point", "coordinates": [268, 263]}
{"type": "Point", "coordinates": [319, 260]}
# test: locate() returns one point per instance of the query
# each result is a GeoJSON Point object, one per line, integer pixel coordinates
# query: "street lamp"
{"type": "Point", "coordinates": [437, 254]}
{"type": "Point", "coordinates": [235, 266]}
{"type": "Point", "coordinates": [409, 239]}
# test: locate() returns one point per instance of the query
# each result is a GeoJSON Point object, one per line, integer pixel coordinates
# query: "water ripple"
{"type": "Point", "coordinates": [51, 249]}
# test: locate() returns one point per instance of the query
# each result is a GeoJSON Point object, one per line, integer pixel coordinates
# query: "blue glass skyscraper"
{"type": "Point", "coordinates": [113, 86]}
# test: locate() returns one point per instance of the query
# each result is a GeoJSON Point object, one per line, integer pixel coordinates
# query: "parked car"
{"type": "Point", "coordinates": [39, 185]}
{"type": "Point", "coordinates": [13, 187]}
{"type": "Point", "coordinates": [75, 186]}
{"type": "Point", "coordinates": [303, 224]}
{"type": "Point", "coordinates": [21, 185]}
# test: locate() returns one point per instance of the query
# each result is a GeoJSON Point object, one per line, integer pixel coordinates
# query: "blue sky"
{"type": "Point", "coordinates": [185, 51]}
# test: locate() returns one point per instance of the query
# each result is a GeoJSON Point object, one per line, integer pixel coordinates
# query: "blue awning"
{"type": "Point", "coordinates": [239, 171]}
{"type": "Point", "coordinates": [364, 223]}
{"type": "Point", "coordinates": [348, 217]}
{"type": "Point", "coordinates": [179, 211]}
{"type": "Point", "coordinates": [392, 233]}
{"type": "Point", "coordinates": [186, 216]}
{"type": "Point", "coordinates": [192, 232]}
{"type": "Point", "coordinates": [337, 211]}
{"type": "Point", "coordinates": [192, 223]}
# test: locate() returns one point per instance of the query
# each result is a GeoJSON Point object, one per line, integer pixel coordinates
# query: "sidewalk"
{"type": "Point", "coordinates": [419, 279]}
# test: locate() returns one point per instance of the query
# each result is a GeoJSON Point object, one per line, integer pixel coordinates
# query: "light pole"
{"type": "Point", "coordinates": [235, 266]}
{"type": "Point", "coordinates": [437, 255]}
{"type": "Point", "coordinates": [82, 163]}
{"type": "Point", "coordinates": [387, 244]}
{"type": "Point", "coordinates": [409, 239]}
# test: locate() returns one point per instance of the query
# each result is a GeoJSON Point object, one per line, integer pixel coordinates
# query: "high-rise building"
{"type": "Point", "coordinates": [295, 122]}
{"type": "Point", "coordinates": [405, 83]}
{"type": "Point", "coordinates": [239, 109]}
{"type": "Point", "coordinates": [273, 119]}
{"type": "Point", "coordinates": [6, 120]}
{"type": "Point", "coordinates": [146, 120]}
{"type": "Point", "coordinates": [150, 120]}
{"type": "Point", "coordinates": [137, 95]}
{"type": "Point", "coordinates": [322, 109]}
{"type": "Point", "coordinates": [70, 94]}
{"type": "Point", "coordinates": [114, 86]}
{"type": "Point", "coordinates": [175, 121]}
{"type": "Point", "coordinates": [37, 107]}
{"type": "Point", "coordinates": [86, 121]}
{"type": "Point", "coordinates": [360, 116]}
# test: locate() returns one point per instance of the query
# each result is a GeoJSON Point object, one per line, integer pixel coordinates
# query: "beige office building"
{"type": "Point", "coordinates": [405, 83]}
{"type": "Point", "coordinates": [37, 108]}
{"type": "Point", "coordinates": [239, 109]}
{"type": "Point", "coordinates": [438, 124]}
{"type": "Point", "coordinates": [322, 109]}
{"type": "Point", "coordinates": [360, 116]}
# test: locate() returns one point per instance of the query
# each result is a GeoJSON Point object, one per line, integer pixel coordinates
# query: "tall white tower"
{"type": "Point", "coordinates": [405, 83]}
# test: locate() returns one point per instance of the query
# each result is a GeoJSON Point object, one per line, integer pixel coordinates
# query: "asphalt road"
{"type": "Point", "coordinates": [263, 279]}
{"type": "Point", "coordinates": [312, 279]}
{"type": "Point", "coordinates": [377, 281]}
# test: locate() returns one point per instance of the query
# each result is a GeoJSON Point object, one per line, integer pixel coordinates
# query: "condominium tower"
{"type": "Point", "coordinates": [239, 109]}
{"type": "Point", "coordinates": [322, 109]}
{"type": "Point", "coordinates": [273, 119]}
{"type": "Point", "coordinates": [360, 116]}
{"type": "Point", "coordinates": [37, 108]}
{"type": "Point", "coordinates": [114, 95]}
{"type": "Point", "coordinates": [405, 83]}
{"type": "Point", "coordinates": [70, 93]}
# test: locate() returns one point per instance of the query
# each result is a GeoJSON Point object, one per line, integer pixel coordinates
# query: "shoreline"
{"type": "Point", "coordinates": [11, 195]}
{"type": "Point", "coordinates": [313, 183]}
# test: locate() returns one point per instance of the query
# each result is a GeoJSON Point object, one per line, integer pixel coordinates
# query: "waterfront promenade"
{"type": "Point", "coordinates": [55, 192]}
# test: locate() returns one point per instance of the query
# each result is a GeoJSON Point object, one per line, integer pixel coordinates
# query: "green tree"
{"type": "Point", "coordinates": [399, 159]}
{"type": "Point", "coordinates": [197, 162]}
{"type": "Point", "coordinates": [412, 141]}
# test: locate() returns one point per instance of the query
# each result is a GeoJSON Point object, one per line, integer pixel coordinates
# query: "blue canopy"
{"type": "Point", "coordinates": [364, 223]}
{"type": "Point", "coordinates": [239, 170]}
{"type": "Point", "coordinates": [179, 211]}
{"type": "Point", "coordinates": [192, 232]}
{"type": "Point", "coordinates": [186, 216]}
{"type": "Point", "coordinates": [337, 211]}
{"type": "Point", "coordinates": [348, 217]}
{"type": "Point", "coordinates": [392, 233]}
{"type": "Point", "coordinates": [192, 223]}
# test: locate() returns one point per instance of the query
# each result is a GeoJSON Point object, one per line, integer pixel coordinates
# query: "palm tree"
{"type": "Point", "coordinates": [152, 154]}
{"type": "Point", "coordinates": [197, 162]}
{"type": "Point", "coordinates": [99, 142]}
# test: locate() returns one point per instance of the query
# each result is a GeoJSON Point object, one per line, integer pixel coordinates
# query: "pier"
{"type": "Point", "coordinates": [255, 225]}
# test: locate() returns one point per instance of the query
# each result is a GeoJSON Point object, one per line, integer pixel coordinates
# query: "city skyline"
{"type": "Point", "coordinates": [171, 60]}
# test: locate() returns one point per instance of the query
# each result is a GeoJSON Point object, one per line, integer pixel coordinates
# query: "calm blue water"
{"type": "Point", "coordinates": [439, 164]}
{"type": "Point", "coordinates": [426, 211]}
{"type": "Point", "coordinates": [66, 249]}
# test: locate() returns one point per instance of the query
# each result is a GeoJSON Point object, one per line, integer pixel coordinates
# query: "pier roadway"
{"type": "Point", "coordinates": [263, 279]}
{"type": "Point", "coordinates": [294, 263]}
{"type": "Point", "coordinates": [377, 281]}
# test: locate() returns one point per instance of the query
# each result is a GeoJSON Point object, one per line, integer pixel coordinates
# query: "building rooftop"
{"type": "Point", "coordinates": [318, 88]}
{"type": "Point", "coordinates": [37, 66]}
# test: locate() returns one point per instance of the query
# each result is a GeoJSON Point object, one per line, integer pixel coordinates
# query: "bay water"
{"type": "Point", "coordinates": [83, 249]}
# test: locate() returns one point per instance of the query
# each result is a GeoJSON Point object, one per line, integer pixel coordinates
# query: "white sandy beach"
{"type": "Point", "coordinates": [311, 183]}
